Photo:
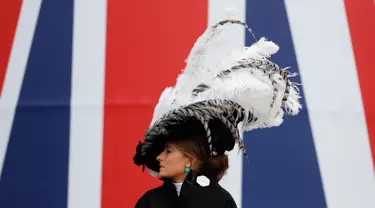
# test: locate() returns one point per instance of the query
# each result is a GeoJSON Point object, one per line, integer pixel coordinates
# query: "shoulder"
{"type": "Point", "coordinates": [154, 192]}
{"type": "Point", "coordinates": [225, 196]}
{"type": "Point", "coordinates": [222, 191]}
{"type": "Point", "coordinates": [148, 196]}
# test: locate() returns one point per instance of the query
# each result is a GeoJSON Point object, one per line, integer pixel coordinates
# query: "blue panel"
{"type": "Point", "coordinates": [282, 170]}
{"type": "Point", "coordinates": [35, 172]}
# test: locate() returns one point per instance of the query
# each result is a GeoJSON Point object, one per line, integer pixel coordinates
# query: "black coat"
{"type": "Point", "coordinates": [192, 195]}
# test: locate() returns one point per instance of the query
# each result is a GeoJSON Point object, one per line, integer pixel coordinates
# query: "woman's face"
{"type": "Point", "coordinates": [173, 163]}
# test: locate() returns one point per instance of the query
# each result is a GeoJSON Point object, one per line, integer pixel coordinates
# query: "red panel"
{"type": "Point", "coordinates": [361, 18]}
{"type": "Point", "coordinates": [9, 13]}
{"type": "Point", "coordinates": [147, 44]}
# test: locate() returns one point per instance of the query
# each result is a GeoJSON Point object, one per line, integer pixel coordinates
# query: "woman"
{"type": "Point", "coordinates": [221, 94]}
{"type": "Point", "coordinates": [184, 158]}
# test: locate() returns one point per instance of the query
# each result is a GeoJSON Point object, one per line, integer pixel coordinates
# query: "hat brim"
{"type": "Point", "coordinates": [173, 129]}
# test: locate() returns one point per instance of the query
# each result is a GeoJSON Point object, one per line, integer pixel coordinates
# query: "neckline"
{"type": "Point", "coordinates": [189, 180]}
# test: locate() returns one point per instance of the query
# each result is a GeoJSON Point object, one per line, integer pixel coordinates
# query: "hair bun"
{"type": "Point", "coordinates": [219, 165]}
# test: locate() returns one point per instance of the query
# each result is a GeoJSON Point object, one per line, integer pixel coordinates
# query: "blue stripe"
{"type": "Point", "coordinates": [35, 172]}
{"type": "Point", "coordinates": [282, 170]}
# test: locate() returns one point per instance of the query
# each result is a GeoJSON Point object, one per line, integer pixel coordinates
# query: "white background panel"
{"type": "Point", "coordinates": [235, 37]}
{"type": "Point", "coordinates": [88, 74]}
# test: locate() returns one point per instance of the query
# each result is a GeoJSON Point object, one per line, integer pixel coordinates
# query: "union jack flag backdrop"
{"type": "Point", "coordinates": [79, 80]}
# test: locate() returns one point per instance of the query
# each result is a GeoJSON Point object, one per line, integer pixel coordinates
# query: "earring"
{"type": "Point", "coordinates": [187, 169]}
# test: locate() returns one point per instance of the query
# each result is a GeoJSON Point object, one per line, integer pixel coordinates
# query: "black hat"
{"type": "Point", "coordinates": [223, 93]}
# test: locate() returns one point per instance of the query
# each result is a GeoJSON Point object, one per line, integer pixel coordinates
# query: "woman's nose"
{"type": "Point", "coordinates": [158, 158]}
{"type": "Point", "coordinates": [161, 156]}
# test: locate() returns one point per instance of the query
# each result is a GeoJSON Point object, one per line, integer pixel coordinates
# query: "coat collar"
{"type": "Point", "coordinates": [191, 181]}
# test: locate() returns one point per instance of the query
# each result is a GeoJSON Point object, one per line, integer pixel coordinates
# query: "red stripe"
{"type": "Point", "coordinates": [147, 44]}
{"type": "Point", "coordinates": [9, 13]}
{"type": "Point", "coordinates": [361, 18]}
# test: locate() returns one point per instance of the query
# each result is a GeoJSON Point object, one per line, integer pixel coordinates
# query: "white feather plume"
{"type": "Point", "coordinates": [259, 90]}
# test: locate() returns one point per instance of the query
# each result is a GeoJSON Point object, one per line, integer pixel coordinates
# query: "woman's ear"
{"type": "Point", "coordinates": [192, 162]}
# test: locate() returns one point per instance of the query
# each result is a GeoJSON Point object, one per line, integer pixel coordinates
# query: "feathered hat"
{"type": "Point", "coordinates": [237, 90]}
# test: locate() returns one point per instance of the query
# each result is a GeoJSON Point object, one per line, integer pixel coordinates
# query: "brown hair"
{"type": "Point", "coordinates": [190, 137]}
{"type": "Point", "coordinates": [213, 166]}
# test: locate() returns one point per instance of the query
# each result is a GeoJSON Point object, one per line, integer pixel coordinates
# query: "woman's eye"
{"type": "Point", "coordinates": [167, 149]}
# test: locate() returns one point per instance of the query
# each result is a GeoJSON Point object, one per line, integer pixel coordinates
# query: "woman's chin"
{"type": "Point", "coordinates": [166, 175]}
{"type": "Point", "coordinates": [163, 174]}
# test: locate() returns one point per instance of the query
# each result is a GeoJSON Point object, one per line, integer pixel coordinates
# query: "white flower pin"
{"type": "Point", "coordinates": [203, 181]}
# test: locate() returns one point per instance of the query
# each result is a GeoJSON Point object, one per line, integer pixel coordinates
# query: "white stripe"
{"type": "Point", "coordinates": [327, 66]}
{"type": "Point", "coordinates": [86, 136]}
{"type": "Point", "coordinates": [232, 181]}
{"type": "Point", "coordinates": [16, 69]}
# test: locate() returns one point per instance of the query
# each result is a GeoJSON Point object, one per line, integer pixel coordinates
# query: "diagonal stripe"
{"type": "Point", "coordinates": [146, 49]}
{"type": "Point", "coordinates": [35, 172]}
{"type": "Point", "coordinates": [282, 170]}
{"type": "Point", "coordinates": [85, 158]}
{"type": "Point", "coordinates": [235, 37]}
{"type": "Point", "coordinates": [15, 71]}
{"type": "Point", "coordinates": [8, 21]}
{"type": "Point", "coordinates": [332, 91]}
{"type": "Point", "coordinates": [361, 20]}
